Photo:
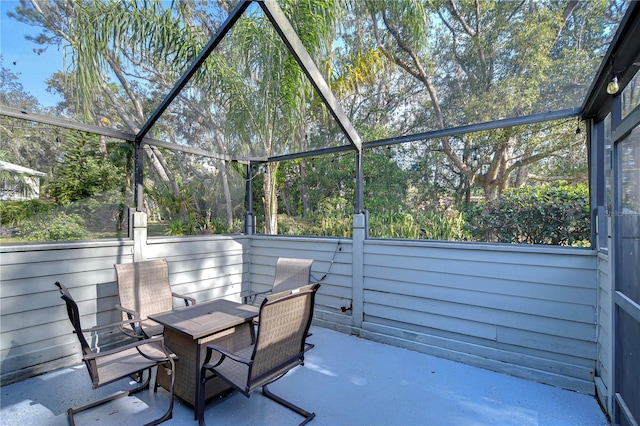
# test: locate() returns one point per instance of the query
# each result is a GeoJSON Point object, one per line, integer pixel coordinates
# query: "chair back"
{"type": "Point", "coordinates": [283, 325]}
{"type": "Point", "coordinates": [291, 273]}
{"type": "Point", "coordinates": [74, 317]}
{"type": "Point", "coordinates": [144, 287]}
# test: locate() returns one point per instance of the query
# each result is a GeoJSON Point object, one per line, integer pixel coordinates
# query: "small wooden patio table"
{"type": "Point", "coordinates": [188, 330]}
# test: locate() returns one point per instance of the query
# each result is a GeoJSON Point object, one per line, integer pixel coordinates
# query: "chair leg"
{"type": "Point", "coordinates": [199, 414]}
{"type": "Point", "coordinates": [145, 385]}
{"type": "Point", "coordinates": [304, 413]}
{"type": "Point", "coordinates": [72, 411]}
{"type": "Point", "coordinates": [169, 414]}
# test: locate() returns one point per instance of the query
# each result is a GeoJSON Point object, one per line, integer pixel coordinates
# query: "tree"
{"type": "Point", "coordinates": [482, 60]}
{"type": "Point", "coordinates": [277, 99]}
{"type": "Point", "coordinates": [12, 92]}
{"type": "Point", "coordinates": [82, 172]}
{"type": "Point", "coordinates": [23, 143]}
{"type": "Point", "coordinates": [131, 54]}
{"type": "Point", "coordinates": [104, 38]}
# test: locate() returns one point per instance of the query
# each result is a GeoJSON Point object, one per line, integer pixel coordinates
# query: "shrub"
{"type": "Point", "coordinates": [58, 226]}
{"type": "Point", "coordinates": [425, 225]}
{"type": "Point", "coordinates": [102, 212]}
{"type": "Point", "coordinates": [12, 212]}
{"type": "Point", "coordinates": [548, 214]}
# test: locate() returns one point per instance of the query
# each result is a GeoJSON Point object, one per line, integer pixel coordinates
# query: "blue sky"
{"type": "Point", "coordinates": [19, 57]}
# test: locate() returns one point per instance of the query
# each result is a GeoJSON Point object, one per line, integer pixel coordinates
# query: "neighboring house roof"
{"type": "Point", "coordinates": [19, 169]}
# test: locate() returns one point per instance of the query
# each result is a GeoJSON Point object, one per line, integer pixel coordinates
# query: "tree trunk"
{"type": "Point", "coordinates": [225, 178]}
{"type": "Point", "coordinates": [270, 199]}
{"type": "Point", "coordinates": [304, 193]}
{"type": "Point", "coordinates": [227, 194]}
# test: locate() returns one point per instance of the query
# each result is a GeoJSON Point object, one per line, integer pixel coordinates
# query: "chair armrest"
{"type": "Point", "coordinates": [105, 326]}
{"type": "Point", "coordinates": [188, 301]}
{"type": "Point", "coordinates": [151, 340]}
{"type": "Point", "coordinates": [133, 315]}
{"type": "Point", "coordinates": [252, 296]}
{"type": "Point", "coordinates": [225, 354]}
{"type": "Point", "coordinates": [133, 322]}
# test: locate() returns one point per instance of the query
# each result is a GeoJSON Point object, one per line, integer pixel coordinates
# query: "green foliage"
{"type": "Point", "coordinates": [424, 225]}
{"type": "Point", "coordinates": [329, 224]}
{"type": "Point", "coordinates": [549, 214]}
{"type": "Point", "coordinates": [328, 184]}
{"type": "Point", "coordinates": [265, 107]}
{"type": "Point", "coordinates": [385, 182]}
{"type": "Point", "coordinates": [200, 225]}
{"type": "Point", "coordinates": [176, 228]}
{"type": "Point", "coordinates": [51, 226]}
{"type": "Point", "coordinates": [40, 220]}
{"type": "Point", "coordinates": [82, 172]}
{"type": "Point", "coordinates": [102, 212]}
{"type": "Point", "coordinates": [14, 212]}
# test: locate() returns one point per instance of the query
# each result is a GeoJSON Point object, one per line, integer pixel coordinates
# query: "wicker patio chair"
{"type": "Point", "coordinates": [290, 273]}
{"type": "Point", "coordinates": [144, 289]}
{"type": "Point", "coordinates": [280, 345]}
{"type": "Point", "coordinates": [111, 365]}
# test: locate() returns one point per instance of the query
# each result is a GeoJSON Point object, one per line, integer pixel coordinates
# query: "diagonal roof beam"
{"type": "Point", "coordinates": [66, 123]}
{"type": "Point", "coordinates": [235, 14]}
{"type": "Point", "coordinates": [299, 52]}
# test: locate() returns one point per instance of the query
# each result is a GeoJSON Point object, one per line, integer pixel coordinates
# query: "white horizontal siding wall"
{"type": "Point", "coordinates": [527, 311]}
{"type": "Point", "coordinates": [604, 367]}
{"type": "Point", "coordinates": [204, 268]}
{"type": "Point", "coordinates": [35, 332]}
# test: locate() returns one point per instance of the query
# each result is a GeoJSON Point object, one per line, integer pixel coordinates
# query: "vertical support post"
{"type": "Point", "coordinates": [359, 183]}
{"type": "Point", "coordinates": [137, 216]}
{"type": "Point", "coordinates": [249, 218]}
{"type": "Point", "coordinates": [359, 235]}
{"type": "Point", "coordinates": [616, 118]}
{"type": "Point", "coordinates": [139, 226]}
{"type": "Point", "coordinates": [138, 176]}
{"type": "Point", "coordinates": [597, 176]}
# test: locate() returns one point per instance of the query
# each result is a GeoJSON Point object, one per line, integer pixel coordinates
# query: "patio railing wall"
{"type": "Point", "coordinates": [35, 333]}
{"type": "Point", "coordinates": [529, 311]}
{"type": "Point", "coordinates": [526, 311]}
{"type": "Point", "coordinates": [604, 366]}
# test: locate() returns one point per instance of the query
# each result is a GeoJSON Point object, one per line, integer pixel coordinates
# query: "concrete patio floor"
{"type": "Point", "coordinates": [345, 381]}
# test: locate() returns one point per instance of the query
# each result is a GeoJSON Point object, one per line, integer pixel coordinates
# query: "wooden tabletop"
{"type": "Point", "coordinates": [206, 318]}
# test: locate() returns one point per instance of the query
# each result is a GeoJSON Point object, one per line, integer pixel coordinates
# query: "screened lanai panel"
{"type": "Point", "coordinates": [413, 66]}
{"type": "Point", "coordinates": [250, 100]}
{"type": "Point", "coordinates": [316, 196]}
{"type": "Point", "coordinates": [105, 63]}
{"type": "Point", "coordinates": [188, 194]}
{"type": "Point", "coordinates": [58, 184]}
{"type": "Point", "coordinates": [396, 67]}
{"type": "Point", "coordinates": [524, 184]}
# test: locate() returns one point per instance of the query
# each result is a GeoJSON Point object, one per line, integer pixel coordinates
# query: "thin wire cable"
{"type": "Point", "coordinates": [335, 252]}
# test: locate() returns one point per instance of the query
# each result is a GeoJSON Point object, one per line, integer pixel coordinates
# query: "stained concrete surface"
{"type": "Point", "coordinates": [346, 380]}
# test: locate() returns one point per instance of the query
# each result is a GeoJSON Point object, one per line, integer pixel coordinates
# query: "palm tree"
{"type": "Point", "coordinates": [251, 94]}
{"type": "Point", "coordinates": [272, 110]}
